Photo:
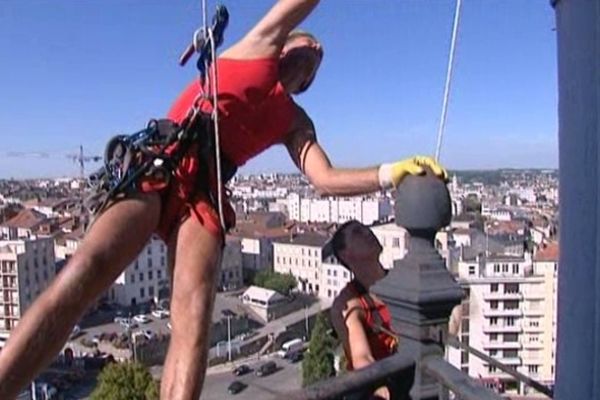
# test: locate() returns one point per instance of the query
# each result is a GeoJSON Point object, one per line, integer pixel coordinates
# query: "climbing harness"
{"type": "Point", "coordinates": [155, 152]}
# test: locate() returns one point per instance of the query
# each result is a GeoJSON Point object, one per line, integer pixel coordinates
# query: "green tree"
{"type": "Point", "coordinates": [282, 283]}
{"type": "Point", "coordinates": [318, 361]}
{"type": "Point", "coordinates": [125, 381]}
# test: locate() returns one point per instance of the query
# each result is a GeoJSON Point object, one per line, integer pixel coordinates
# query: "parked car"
{"type": "Point", "coordinates": [161, 314]}
{"type": "Point", "coordinates": [295, 357]}
{"type": "Point", "coordinates": [236, 386]}
{"type": "Point", "coordinates": [266, 369]}
{"type": "Point", "coordinates": [142, 319]}
{"type": "Point", "coordinates": [241, 370]}
{"type": "Point", "coordinates": [128, 323]}
{"type": "Point", "coordinates": [146, 333]}
{"type": "Point", "coordinates": [75, 332]}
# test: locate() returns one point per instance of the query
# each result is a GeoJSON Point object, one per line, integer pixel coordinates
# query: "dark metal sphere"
{"type": "Point", "coordinates": [422, 203]}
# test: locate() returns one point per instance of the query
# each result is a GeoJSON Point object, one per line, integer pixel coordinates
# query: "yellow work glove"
{"type": "Point", "coordinates": [390, 175]}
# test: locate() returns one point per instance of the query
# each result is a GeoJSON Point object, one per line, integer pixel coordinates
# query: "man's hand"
{"type": "Point", "coordinates": [383, 393]}
{"type": "Point", "coordinates": [390, 175]}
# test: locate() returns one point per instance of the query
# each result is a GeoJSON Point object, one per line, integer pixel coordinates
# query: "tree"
{"type": "Point", "coordinates": [318, 361]}
{"type": "Point", "coordinates": [125, 381]}
{"type": "Point", "coordinates": [282, 283]}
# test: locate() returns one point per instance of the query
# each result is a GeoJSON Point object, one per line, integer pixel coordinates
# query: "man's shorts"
{"type": "Point", "coordinates": [182, 196]}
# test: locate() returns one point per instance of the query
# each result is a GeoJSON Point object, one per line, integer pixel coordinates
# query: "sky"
{"type": "Point", "coordinates": [77, 72]}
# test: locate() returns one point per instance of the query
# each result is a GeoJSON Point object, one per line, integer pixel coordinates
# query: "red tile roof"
{"type": "Point", "coordinates": [548, 253]}
{"type": "Point", "coordinates": [26, 219]}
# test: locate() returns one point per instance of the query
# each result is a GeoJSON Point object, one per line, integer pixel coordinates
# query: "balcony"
{"type": "Point", "coordinates": [487, 328]}
{"type": "Point", "coordinates": [502, 345]}
{"type": "Point", "coordinates": [517, 312]}
{"type": "Point", "coordinates": [534, 313]}
{"type": "Point", "coordinates": [502, 296]}
{"type": "Point", "coordinates": [510, 360]}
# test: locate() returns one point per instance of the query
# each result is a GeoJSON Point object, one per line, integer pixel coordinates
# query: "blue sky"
{"type": "Point", "coordinates": [77, 72]}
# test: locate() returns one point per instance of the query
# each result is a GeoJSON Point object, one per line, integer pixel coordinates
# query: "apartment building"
{"type": "Point", "coordinates": [509, 313]}
{"type": "Point", "coordinates": [145, 279]}
{"type": "Point", "coordinates": [27, 267]}
{"type": "Point", "coordinates": [300, 255]}
{"type": "Point", "coordinates": [339, 210]}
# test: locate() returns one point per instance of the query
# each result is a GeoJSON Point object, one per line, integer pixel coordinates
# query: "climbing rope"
{"type": "Point", "coordinates": [449, 71]}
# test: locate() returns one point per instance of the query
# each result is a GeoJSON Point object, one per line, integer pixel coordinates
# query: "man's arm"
{"type": "Point", "coordinates": [268, 36]}
{"type": "Point", "coordinates": [311, 159]}
{"type": "Point", "coordinates": [347, 322]}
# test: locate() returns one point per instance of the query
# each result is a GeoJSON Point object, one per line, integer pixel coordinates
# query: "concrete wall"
{"type": "Point", "coordinates": [578, 360]}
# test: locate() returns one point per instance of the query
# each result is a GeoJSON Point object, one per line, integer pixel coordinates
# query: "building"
{"type": "Point", "coordinates": [337, 209]}
{"type": "Point", "coordinates": [27, 267]}
{"type": "Point", "coordinates": [393, 240]}
{"type": "Point", "coordinates": [334, 277]}
{"type": "Point", "coordinates": [231, 276]}
{"type": "Point", "coordinates": [26, 224]}
{"type": "Point", "coordinates": [264, 302]}
{"type": "Point", "coordinates": [300, 255]}
{"type": "Point", "coordinates": [509, 314]}
{"type": "Point", "coordinates": [145, 279]}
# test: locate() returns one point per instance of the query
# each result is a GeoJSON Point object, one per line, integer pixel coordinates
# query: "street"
{"type": "Point", "coordinates": [288, 377]}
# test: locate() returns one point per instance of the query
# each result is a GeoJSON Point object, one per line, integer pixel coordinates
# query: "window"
{"type": "Point", "coordinates": [493, 337]}
{"type": "Point", "coordinates": [511, 337]}
{"type": "Point", "coordinates": [162, 261]}
{"type": "Point", "coordinates": [504, 267]}
{"type": "Point", "coordinates": [511, 288]}
{"type": "Point", "coordinates": [464, 357]}
{"type": "Point", "coordinates": [141, 276]}
{"type": "Point", "coordinates": [533, 369]}
{"type": "Point", "coordinates": [515, 268]}
{"type": "Point", "coordinates": [132, 278]}
{"type": "Point", "coordinates": [151, 291]}
{"type": "Point", "coordinates": [494, 304]}
{"type": "Point", "coordinates": [142, 292]}
{"type": "Point", "coordinates": [534, 324]}
{"type": "Point", "coordinates": [491, 369]}
{"type": "Point", "coordinates": [149, 263]}
{"type": "Point", "coordinates": [328, 272]}
{"type": "Point", "coordinates": [511, 305]}
{"type": "Point", "coordinates": [493, 353]}
{"type": "Point", "coordinates": [159, 274]}
{"type": "Point", "coordinates": [510, 321]}
{"type": "Point", "coordinates": [471, 270]}
{"type": "Point", "coordinates": [136, 265]}
{"type": "Point", "coordinates": [149, 274]}
{"type": "Point", "coordinates": [335, 273]}
{"type": "Point", "coordinates": [149, 250]}
{"type": "Point", "coordinates": [493, 321]}
{"type": "Point", "coordinates": [510, 353]}
{"type": "Point", "coordinates": [496, 268]}
{"type": "Point", "coordinates": [494, 287]}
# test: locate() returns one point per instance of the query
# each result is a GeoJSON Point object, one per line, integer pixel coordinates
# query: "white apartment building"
{"type": "Point", "coordinates": [394, 240]}
{"type": "Point", "coordinates": [300, 255]}
{"type": "Point", "coordinates": [335, 209]}
{"type": "Point", "coordinates": [510, 314]}
{"type": "Point", "coordinates": [144, 278]}
{"type": "Point", "coordinates": [333, 279]}
{"type": "Point", "coordinates": [26, 269]}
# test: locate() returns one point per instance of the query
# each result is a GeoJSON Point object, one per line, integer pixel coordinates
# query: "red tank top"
{"type": "Point", "coordinates": [255, 111]}
{"type": "Point", "coordinates": [381, 344]}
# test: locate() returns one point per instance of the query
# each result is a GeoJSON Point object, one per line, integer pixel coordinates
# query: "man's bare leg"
{"type": "Point", "coordinates": [113, 241]}
{"type": "Point", "coordinates": [192, 300]}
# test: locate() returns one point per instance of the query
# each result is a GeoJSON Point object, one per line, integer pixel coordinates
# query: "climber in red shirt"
{"type": "Point", "coordinates": [257, 77]}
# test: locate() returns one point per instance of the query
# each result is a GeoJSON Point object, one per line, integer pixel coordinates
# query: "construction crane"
{"type": "Point", "coordinates": [79, 158]}
{"type": "Point", "coordinates": [82, 159]}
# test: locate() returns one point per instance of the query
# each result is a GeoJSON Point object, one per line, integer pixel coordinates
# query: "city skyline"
{"type": "Point", "coordinates": [89, 74]}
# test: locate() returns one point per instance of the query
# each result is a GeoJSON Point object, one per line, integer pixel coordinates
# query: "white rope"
{"type": "Point", "coordinates": [442, 125]}
{"type": "Point", "coordinates": [215, 91]}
